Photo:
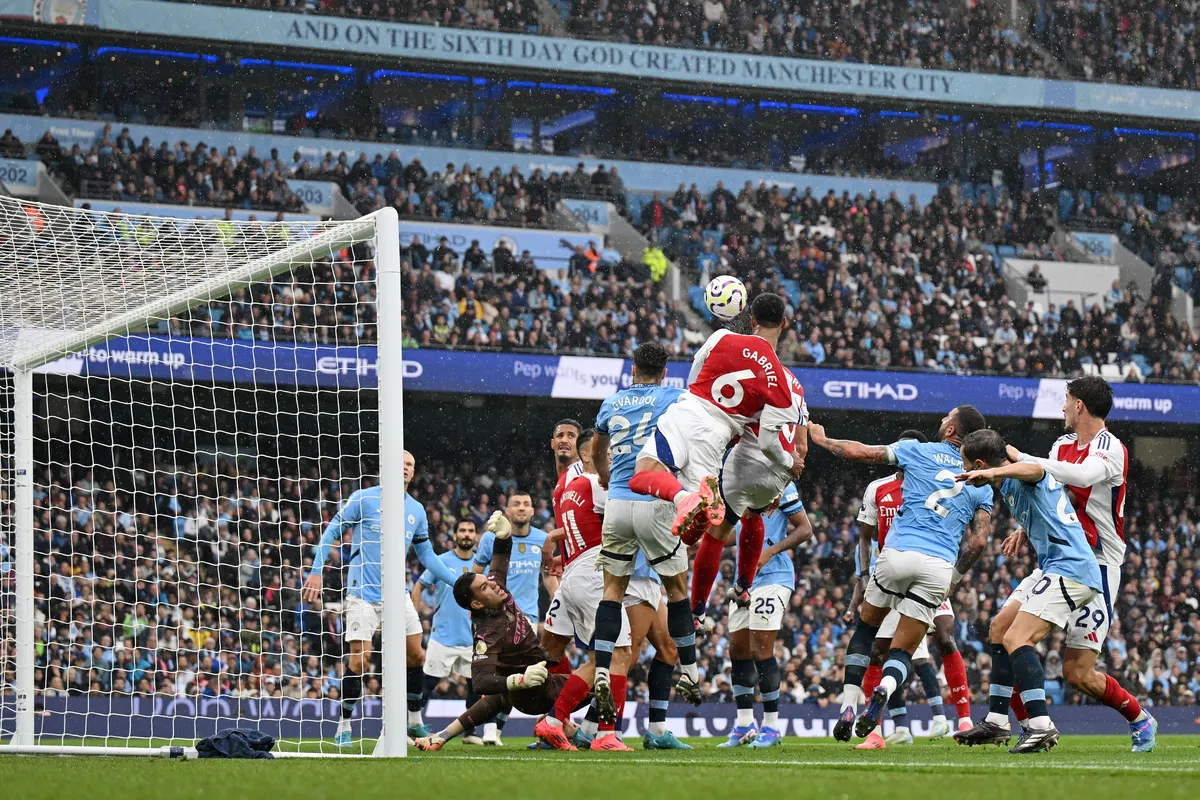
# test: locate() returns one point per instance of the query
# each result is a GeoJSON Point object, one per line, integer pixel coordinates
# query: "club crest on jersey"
{"type": "Point", "coordinates": [412, 519]}
{"type": "Point", "coordinates": [480, 648]}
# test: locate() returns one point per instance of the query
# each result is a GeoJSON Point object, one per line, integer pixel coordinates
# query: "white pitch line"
{"type": "Point", "coordinates": [1024, 764]}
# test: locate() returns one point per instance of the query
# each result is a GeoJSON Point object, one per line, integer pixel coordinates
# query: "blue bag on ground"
{"type": "Point", "coordinates": [236, 743]}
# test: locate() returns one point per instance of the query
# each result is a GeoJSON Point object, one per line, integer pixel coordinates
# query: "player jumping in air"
{"type": "Point", "coordinates": [921, 562]}
{"type": "Point", "coordinates": [509, 664]}
{"type": "Point", "coordinates": [754, 627]}
{"type": "Point", "coordinates": [750, 482]}
{"type": "Point", "coordinates": [881, 502]}
{"type": "Point", "coordinates": [449, 651]}
{"type": "Point", "coordinates": [1069, 579]}
{"type": "Point", "coordinates": [524, 570]}
{"type": "Point", "coordinates": [1093, 464]}
{"type": "Point", "coordinates": [364, 593]}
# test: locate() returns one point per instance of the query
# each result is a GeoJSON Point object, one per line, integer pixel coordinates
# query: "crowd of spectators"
{"type": "Point", "coordinates": [896, 33]}
{"type": "Point", "coordinates": [1118, 41]}
{"type": "Point", "coordinates": [184, 581]}
{"type": "Point", "coordinates": [512, 16]}
{"type": "Point", "coordinates": [878, 282]}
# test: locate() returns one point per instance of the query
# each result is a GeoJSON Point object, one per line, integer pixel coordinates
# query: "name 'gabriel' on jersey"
{"type": "Point", "coordinates": [741, 381]}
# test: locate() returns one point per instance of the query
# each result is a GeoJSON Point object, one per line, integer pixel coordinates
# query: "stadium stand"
{"type": "Point", "coordinates": [141, 593]}
{"type": "Point", "coordinates": [513, 16]}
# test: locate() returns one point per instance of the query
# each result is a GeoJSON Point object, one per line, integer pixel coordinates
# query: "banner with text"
{"type": "Point", "coordinates": [565, 56]}
{"type": "Point", "coordinates": [19, 176]}
{"type": "Point", "coordinates": [593, 378]}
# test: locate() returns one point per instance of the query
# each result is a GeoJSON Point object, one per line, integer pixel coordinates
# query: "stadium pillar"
{"type": "Point", "coordinates": [391, 481]}
{"type": "Point", "coordinates": [23, 541]}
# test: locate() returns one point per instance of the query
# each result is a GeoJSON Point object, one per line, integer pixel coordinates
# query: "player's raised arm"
{"type": "Point", "coordinates": [500, 528]}
{"type": "Point", "coordinates": [1027, 471]}
{"type": "Point", "coordinates": [848, 450]}
{"type": "Point", "coordinates": [425, 554]}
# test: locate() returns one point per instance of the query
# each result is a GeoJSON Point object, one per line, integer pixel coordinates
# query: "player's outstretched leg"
{"type": "Point", "coordinates": [858, 658]}
{"type": "Point", "coordinates": [705, 568]}
{"type": "Point", "coordinates": [749, 548]}
{"type": "Point", "coordinates": [994, 729]}
{"type": "Point", "coordinates": [1031, 677]}
{"type": "Point", "coordinates": [471, 736]}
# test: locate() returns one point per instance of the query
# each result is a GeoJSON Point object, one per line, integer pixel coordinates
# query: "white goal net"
{"type": "Point", "coordinates": [184, 405]}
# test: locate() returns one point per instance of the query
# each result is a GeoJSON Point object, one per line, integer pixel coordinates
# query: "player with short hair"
{"type": "Point", "coordinates": [524, 571]}
{"type": "Point", "coordinates": [509, 664]}
{"type": "Point", "coordinates": [921, 562]}
{"type": "Point", "coordinates": [1070, 579]}
{"type": "Point", "coordinates": [881, 502]}
{"type": "Point", "coordinates": [364, 596]}
{"type": "Point", "coordinates": [449, 649]}
{"type": "Point", "coordinates": [754, 627]}
{"type": "Point", "coordinates": [572, 612]}
{"type": "Point", "coordinates": [1093, 464]}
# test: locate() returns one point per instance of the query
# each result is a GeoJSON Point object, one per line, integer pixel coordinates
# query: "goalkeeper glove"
{"type": "Point", "coordinates": [533, 677]}
{"type": "Point", "coordinates": [499, 525]}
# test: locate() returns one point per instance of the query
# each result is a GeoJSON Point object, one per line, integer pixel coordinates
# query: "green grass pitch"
{"type": "Point", "coordinates": [1085, 767]}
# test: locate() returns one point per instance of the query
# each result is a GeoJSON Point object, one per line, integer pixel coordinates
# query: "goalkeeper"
{"type": "Point", "coordinates": [509, 665]}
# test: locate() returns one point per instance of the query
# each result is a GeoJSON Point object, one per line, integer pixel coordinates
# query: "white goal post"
{"type": "Point", "coordinates": [172, 445]}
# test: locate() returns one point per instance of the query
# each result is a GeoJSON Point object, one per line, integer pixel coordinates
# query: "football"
{"type": "Point", "coordinates": [725, 296]}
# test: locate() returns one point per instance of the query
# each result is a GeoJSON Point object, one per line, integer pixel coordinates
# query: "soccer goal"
{"type": "Point", "coordinates": [184, 404]}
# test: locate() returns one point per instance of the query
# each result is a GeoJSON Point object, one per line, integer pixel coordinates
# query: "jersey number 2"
{"type": "Point", "coordinates": [933, 502]}
{"type": "Point", "coordinates": [620, 427]}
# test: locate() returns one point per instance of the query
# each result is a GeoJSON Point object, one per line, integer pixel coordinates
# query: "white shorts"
{"type": "Point", "coordinates": [765, 612]}
{"type": "Point", "coordinates": [1080, 611]}
{"type": "Point", "coordinates": [572, 611]}
{"type": "Point", "coordinates": [749, 480]}
{"type": "Point", "coordinates": [363, 619]}
{"type": "Point", "coordinates": [912, 583]}
{"type": "Point", "coordinates": [643, 591]}
{"type": "Point", "coordinates": [442, 661]}
{"type": "Point", "coordinates": [689, 440]}
{"type": "Point", "coordinates": [632, 525]}
{"type": "Point", "coordinates": [888, 629]}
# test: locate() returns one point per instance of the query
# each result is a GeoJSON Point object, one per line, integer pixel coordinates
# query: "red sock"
{"type": "Point", "coordinates": [871, 679]}
{"type": "Point", "coordinates": [561, 668]}
{"type": "Point", "coordinates": [1018, 705]}
{"type": "Point", "coordinates": [572, 694]}
{"type": "Point", "coordinates": [1116, 697]}
{"type": "Point", "coordinates": [956, 677]}
{"type": "Point", "coordinates": [749, 546]}
{"type": "Point", "coordinates": [618, 683]}
{"type": "Point", "coordinates": [705, 570]}
{"type": "Point", "coordinates": [662, 485]}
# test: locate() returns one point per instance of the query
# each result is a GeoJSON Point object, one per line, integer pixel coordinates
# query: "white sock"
{"type": "Point", "coordinates": [677, 499]}
{"type": "Point", "coordinates": [998, 719]}
{"type": "Point", "coordinates": [851, 696]}
{"type": "Point", "coordinates": [939, 717]}
{"type": "Point", "coordinates": [690, 670]}
{"type": "Point", "coordinates": [414, 718]}
{"type": "Point", "coordinates": [554, 723]}
{"type": "Point", "coordinates": [1142, 717]}
{"type": "Point", "coordinates": [591, 727]}
{"type": "Point", "coordinates": [888, 682]}
{"type": "Point", "coordinates": [967, 720]}
{"type": "Point", "coordinates": [745, 717]}
{"type": "Point", "coordinates": [602, 675]}
{"type": "Point", "coordinates": [1040, 723]}
{"type": "Point", "coordinates": [343, 725]}
{"type": "Point", "coordinates": [490, 731]}
{"type": "Point", "coordinates": [657, 728]}
{"type": "Point", "coordinates": [771, 720]}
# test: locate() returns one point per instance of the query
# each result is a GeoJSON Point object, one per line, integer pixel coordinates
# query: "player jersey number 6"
{"type": "Point", "coordinates": [732, 380]}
